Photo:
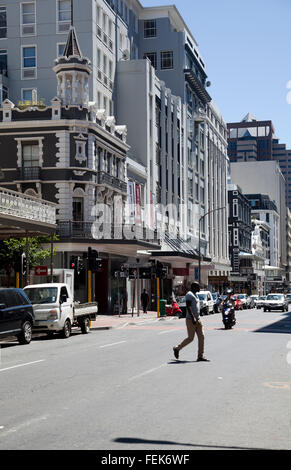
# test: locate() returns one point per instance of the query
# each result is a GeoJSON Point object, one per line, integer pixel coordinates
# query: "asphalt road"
{"type": "Point", "coordinates": [122, 388]}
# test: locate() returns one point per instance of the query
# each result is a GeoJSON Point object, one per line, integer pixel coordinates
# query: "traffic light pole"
{"type": "Point", "coordinates": [158, 297]}
{"type": "Point", "coordinates": [89, 285]}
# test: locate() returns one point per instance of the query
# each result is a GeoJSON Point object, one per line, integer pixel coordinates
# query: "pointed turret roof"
{"type": "Point", "coordinates": [72, 47]}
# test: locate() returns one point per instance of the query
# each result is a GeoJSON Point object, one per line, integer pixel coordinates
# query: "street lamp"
{"type": "Point", "coordinates": [199, 239]}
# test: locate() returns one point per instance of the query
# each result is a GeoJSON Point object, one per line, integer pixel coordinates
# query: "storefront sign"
{"type": "Point", "coordinates": [181, 271]}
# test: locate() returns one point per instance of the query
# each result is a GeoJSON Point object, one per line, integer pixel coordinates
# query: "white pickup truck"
{"type": "Point", "coordinates": [55, 310]}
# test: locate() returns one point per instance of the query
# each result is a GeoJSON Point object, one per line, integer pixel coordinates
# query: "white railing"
{"type": "Point", "coordinates": [27, 207]}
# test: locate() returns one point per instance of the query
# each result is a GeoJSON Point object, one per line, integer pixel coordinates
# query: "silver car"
{"type": "Point", "coordinates": [276, 302]}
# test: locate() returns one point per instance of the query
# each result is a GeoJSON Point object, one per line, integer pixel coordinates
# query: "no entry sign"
{"type": "Point", "coordinates": [40, 270]}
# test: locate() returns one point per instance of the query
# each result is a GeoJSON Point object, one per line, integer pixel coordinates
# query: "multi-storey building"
{"type": "Point", "coordinates": [112, 33]}
{"type": "Point", "coordinates": [265, 210]}
{"type": "Point", "coordinates": [72, 154]}
{"type": "Point", "coordinates": [253, 140]}
{"type": "Point", "coordinates": [240, 235]}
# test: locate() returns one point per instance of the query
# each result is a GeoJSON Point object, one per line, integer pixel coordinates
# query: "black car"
{"type": "Point", "coordinates": [16, 315]}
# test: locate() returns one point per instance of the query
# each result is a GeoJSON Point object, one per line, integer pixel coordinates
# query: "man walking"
{"type": "Point", "coordinates": [193, 323]}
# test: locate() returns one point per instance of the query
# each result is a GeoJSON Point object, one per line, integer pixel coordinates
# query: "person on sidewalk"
{"type": "Point", "coordinates": [193, 323]}
{"type": "Point", "coordinates": [144, 298]}
{"type": "Point", "coordinates": [124, 302]}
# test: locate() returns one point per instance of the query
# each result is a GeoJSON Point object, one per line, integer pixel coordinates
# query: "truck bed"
{"type": "Point", "coordinates": [87, 309]}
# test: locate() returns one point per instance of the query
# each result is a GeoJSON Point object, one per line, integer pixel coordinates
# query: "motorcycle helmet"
{"type": "Point", "coordinates": [229, 291]}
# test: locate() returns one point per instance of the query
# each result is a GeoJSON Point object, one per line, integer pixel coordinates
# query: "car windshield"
{"type": "Point", "coordinates": [242, 296]}
{"type": "Point", "coordinates": [263, 297]}
{"type": "Point", "coordinates": [42, 295]}
{"type": "Point", "coordinates": [288, 296]}
{"type": "Point", "coordinates": [202, 296]}
{"type": "Point", "coordinates": [254, 297]}
{"type": "Point", "coordinates": [274, 297]}
{"type": "Point", "coordinates": [215, 296]}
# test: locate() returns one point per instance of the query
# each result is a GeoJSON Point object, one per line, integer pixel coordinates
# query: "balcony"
{"type": "Point", "coordinates": [18, 207]}
{"type": "Point", "coordinates": [111, 181]}
{"type": "Point", "coordinates": [197, 86]}
{"type": "Point", "coordinates": [29, 173]}
{"type": "Point", "coordinates": [68, 229]}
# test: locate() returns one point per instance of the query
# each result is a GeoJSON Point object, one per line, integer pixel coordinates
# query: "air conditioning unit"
{"type": "Point", "coordinates": [63, 27]}
{"type": "Point", "coordinates": [29, 73]}
{"type": "Point", "coordinates": [28, 30]}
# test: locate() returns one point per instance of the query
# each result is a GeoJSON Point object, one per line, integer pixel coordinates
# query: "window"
{"type": "Point", "coordinates": [28, 19]}
{"type": "Point", "coordinates": [29, 94]}
{"type": "Point", "coordinates": [3, 22]}
{"type": "Point", "coordinates": [150, 29]}
{"type": "Point", "coordinates": [152, 56]}
{"type": "Point", "coordinates": [30, 155]}
{"type": "Point", "coordinates": [78, 209]}
{"type": "Point", "coordinates": [29, 62]}
{"type": "Point", "coordinates": [3, 60]}
{"type": "Point", "coordinates": [60, 49]}
{"type": "Point", "coordinates": [167, 60]}
{"type": "Point", "coordinates": [64, 16]}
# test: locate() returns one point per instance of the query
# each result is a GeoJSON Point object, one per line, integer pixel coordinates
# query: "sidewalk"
{"type": "Point", "coordinates": [106, 322]}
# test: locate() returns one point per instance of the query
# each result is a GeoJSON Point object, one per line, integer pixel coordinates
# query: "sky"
{"type": "Point", "coordinates": [246, 47]}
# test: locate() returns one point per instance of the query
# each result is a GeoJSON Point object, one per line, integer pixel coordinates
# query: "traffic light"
{"type": "Point", "coordinates": [161, 270]}
{"type": "Point", "coordinates": [73, 262]}
{"type": "Point", "coordinates": [23, 264]}
{"type": "Point", "coordinates": [94, 263]}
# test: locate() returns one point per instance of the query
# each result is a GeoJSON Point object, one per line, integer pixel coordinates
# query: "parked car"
{"type": "Point", "coordinates": [246, 302]}
{"type": "Point", "coordinates": [16, 315]}
{"type": "Point", "coordinates": [254, 299]}
{"type": "Point", "coordinates": [217, 301]}
{"type": "Point", "coordinates": [276, 302]}
{"type": "Point", "coordinates": [206, 302]}
{"type": "Point", "coordinates": [261, 301]}
{"type": "Point", "coordinates": [238, 302]}
{"type": "Point", "coordinates": [181, 301]}
{"type": "Point", "coordinates": [288, 298]}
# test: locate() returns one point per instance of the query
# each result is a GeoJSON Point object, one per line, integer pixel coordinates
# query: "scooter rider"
{"type": "Point", "coordinates": [228, 301]}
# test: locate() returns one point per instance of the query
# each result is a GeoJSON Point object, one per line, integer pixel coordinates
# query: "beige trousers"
{"type": "Point", "coordinates": [193, 328]}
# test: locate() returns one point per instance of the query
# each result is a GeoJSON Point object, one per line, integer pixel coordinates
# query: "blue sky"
{"type": "Point", "coordinates": [247, 50]}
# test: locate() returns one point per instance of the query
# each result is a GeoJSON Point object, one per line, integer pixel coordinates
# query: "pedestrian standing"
{"type": "Point", "coordinates": [144, 300]}
{"type": "Point", "coordinates": [193, 323]}
{"type": "Point", "coordinates": [124, 302]}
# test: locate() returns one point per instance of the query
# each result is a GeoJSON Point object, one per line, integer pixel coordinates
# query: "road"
{"type": "Point", "coordinates": [122, 388]}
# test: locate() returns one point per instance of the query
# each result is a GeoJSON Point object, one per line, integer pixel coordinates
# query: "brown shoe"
{"type": "Point", "coordinates": [202, 359]}
{"type": "Point", "coordinates": [176, 353]}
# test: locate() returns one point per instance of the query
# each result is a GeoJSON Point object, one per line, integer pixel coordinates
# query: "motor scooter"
{"type": "Point", "coordinates": [228, 317]}
{"type": "Point", "coordinates": [174, 309]}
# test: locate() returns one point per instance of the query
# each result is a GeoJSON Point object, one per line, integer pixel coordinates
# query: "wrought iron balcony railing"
{"type": "Point", "coordinates": [68, 229]}
{"type": "Point", "coordinates": [112, 181]}
{"type": "Point", "coordinates": [30, 173]}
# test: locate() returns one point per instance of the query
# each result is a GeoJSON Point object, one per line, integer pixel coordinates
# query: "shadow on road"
{"type": "Point", "coordinates": [281, 326]}
{"type": "Point", "coordinates": [134, 440]}
{"type": "Point", "coordinates": [177, 361]}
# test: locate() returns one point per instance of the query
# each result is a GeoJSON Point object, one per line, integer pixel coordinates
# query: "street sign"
{"type": "Point", "coordinates": [40, 270]}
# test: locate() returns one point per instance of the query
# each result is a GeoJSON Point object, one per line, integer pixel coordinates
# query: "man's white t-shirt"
{"type": "Point", "coordinates": [195, 305]}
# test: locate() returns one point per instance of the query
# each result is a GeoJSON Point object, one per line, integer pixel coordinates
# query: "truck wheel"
{"type": "Point", "coordinates": [85, 326]}
{"type": "Point", "coordinates": [26, 334]}
{"type": "Point", "coordinates": [67, 329]}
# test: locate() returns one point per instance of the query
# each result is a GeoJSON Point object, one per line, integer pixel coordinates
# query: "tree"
{"type": "Point", "coordinates": [12, 249]}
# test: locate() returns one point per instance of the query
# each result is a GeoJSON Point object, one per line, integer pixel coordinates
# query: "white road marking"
{"type": "Point", "coordinates": [123, 326]}
{"type": "Point", "coordinates": [147, 372]}
{"type": "Point", "coordinates": [111, 344]}
{"type": "Point", "coordinates": [21, 426]}
{"type": "Point", "coordinates": [167, 331]}
{"type": "Point", "coordinates": [22, 365]}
